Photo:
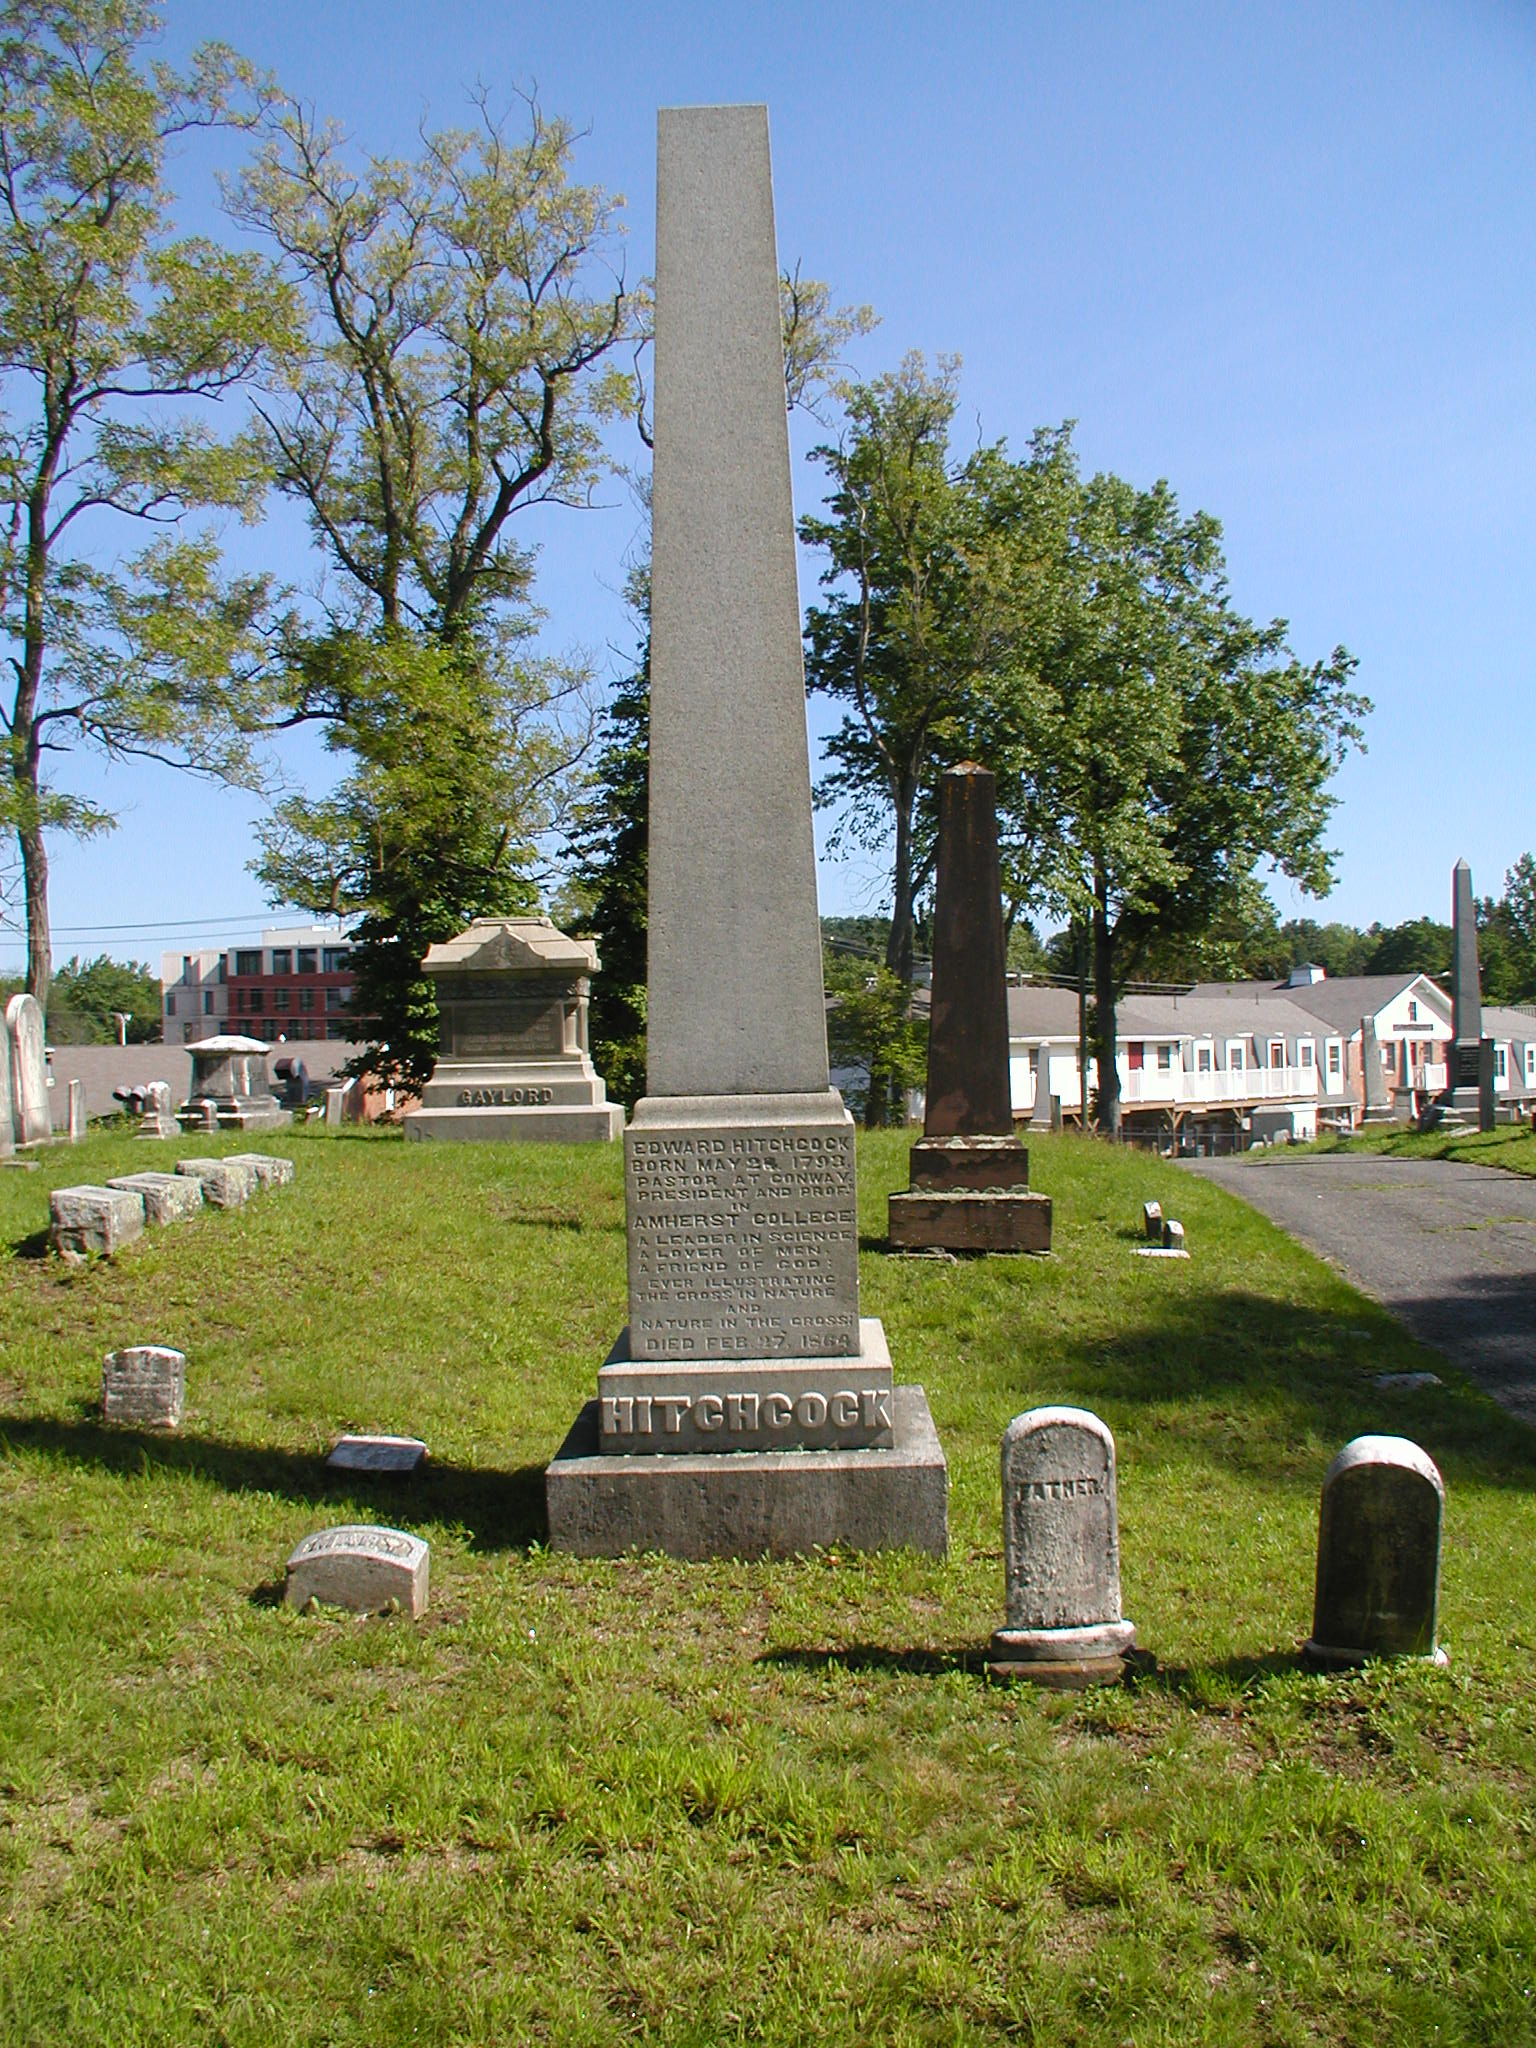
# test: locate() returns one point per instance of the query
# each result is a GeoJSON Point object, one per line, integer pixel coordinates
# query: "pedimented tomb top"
{"type": "Point", "coordinates": [527, 945]}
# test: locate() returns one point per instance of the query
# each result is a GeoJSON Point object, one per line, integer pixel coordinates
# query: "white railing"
{"type": "Point", "coordinates": [1145, 1087]}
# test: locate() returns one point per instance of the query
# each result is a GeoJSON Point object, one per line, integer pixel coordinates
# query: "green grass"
{"type": "Point", "coordinates": [637, 1800]}
{"type": "Point", "coordinates": [1511, 1146]}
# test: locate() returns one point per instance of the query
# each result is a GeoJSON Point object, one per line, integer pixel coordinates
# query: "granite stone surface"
{"type": "Point", "coordinates": [167, 1197]}
{"type": "Point", "coordinates": [158, 1120]}
{"type": "Point", "coordinates": [1378, 1554]}
{"type": "Point", "coordinates": [1152, 1222]}
{"type": "Point", "coordinates": [970, 1220]}
{"type": "Point", "coordinates": [87, 1220]}
{"type": "Point", "coordinates": [756, 1504]}
{"type": "Point", "coordinates": [362, 1568]}
{"type": "Point", "coordinates": [394, 1454]}
{"type": "Point", "coordinates": [7, 1100]}
{"type": "Point", "coordinates": [748, 1404]}
{"type": "Point", "coordinates": [743, 1227]}
{"type": "Point", "coordinates": [76, 1112]}
{"type": "Point", "coordinates": [270, 1171]}
{"type": "Point", "coordinates": [734, 1002]}
{"type": "Point", "coordinates": [144, 1384]}
{"type": "Point", "coordinates": [226, 1184]}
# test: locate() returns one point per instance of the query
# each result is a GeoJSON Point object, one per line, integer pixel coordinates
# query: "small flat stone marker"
{"type": "Point", "coordinates": [1152, 1222]}
{"type": "Point", "coordinates": [377, 1453]}
{"type": "Point", "coordinates": [167, 1197]}
{"type": "Point", "coordinates": [270, 1171]}
{"type": "Point", "coordinates": [227, 1184]}
{"type": "Point", "coordinates": [1405, 1382]}
{"type": "Point", "coordinates": [1378, 1555]}
{"type": "Point", "coordinates": [145, 1384]}
{"type": "Point", "coordinates": [1173, 1235]}
{"type": "Point", "coordinates": [84, 1220]}
{"type": "Point", "coordinates": [361, 1568]}
{"type": "Point", "coordinates": [1061, 1553]}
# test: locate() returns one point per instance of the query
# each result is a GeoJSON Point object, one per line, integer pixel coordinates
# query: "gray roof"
{"type": "Point", "coordinates": [1337, 1001]}
{"type": "Point", "coordinates": [1205, 1016]}
{"type": "Point", "coordinates": [1035, 1011]}
{"type": "Point", "coordinates": [1501, 1020]}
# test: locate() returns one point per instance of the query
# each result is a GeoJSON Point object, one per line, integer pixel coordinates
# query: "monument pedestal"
{"type": "Point", "coordinates": [229, 1079]}
{"type": "Point", "coordinates": [970, 1194]}
{"type": "Point", "coordinates": [558, 1101]}
{"type": "Point", "coordinates": [752, 1504]}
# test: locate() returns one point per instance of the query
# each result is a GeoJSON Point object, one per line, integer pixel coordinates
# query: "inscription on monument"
{"type": "Point", "coordinates": [743, 1243]}
{"type": "Point", "coordinates": [480, 1097]}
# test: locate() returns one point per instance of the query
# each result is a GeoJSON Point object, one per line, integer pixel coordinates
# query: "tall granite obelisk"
{"type": "Point", "coordinates": [1468, 1096]}
{"type": "Point", "coordinates": [747, 1408]}
{"type": "Point", "coordinates": [970, 1174]}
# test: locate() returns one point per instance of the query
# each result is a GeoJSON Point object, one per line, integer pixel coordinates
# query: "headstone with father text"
{"type": "Point", "coordinates": [1061, 1553]}
{"type": "Point", "coordinates": [747, 1408]}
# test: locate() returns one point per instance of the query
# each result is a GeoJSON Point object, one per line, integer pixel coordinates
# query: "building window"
{"type": "Point", "coordinates": [336, 959]}
{"type": "Point", "coordinates": [248, 963]}
{"type": "Point", "coordinates": [1413, 1013]}
{"type": "Point", "coordinates": [1235, 1055]}
{"type": "Point", "coordinates": [335, 998]}
{"type": "Point", "coordinates": [208, 1004]}
{"type": "Point", "coordinates": [282, 960]}
{"type": "Point", "coordinates": [186, 1034]}
{"type": "Point", "coordinates": [170, 1006]}
{"type": "Point", "coordinates": [280, 999]}
{"type": "Point", "coordinates": [255, 1002]}
{"type": "Point", "coordinates": [335, 1029]}
{"type": "Point", "coordinates": [1498, 1062]}
{"type": "Point", "coordinates": [1165, 1059]}
{"type": "Point", "coordinates": [1335, 1057]}
{"type": "Point", "coordinates": [1304, 1053]}
{"type": "Point", "coordinates": [1203, 1060]}
{"type": "Point", "coordinates": [306, 999]}
{"type": "Point", "coordinates": [307, 958]}
{"type": "Point", "coordinates": [1277, 1052]}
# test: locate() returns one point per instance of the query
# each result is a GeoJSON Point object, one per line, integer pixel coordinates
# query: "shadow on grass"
{"type": "Point", "coordinates": [864, 1657]}
{"type": "Point", "coordinates": [497, 1510]}
{"type": "Point", "coordinates": [1247, 1377]}
{"type": "Point", "coordinates": [35, 1245]}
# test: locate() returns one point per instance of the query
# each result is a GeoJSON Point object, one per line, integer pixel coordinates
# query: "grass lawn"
{"type": "Point", "coordinates": [643, 1801]}
{"type": "Point", "coordinates": [1512, 1146]}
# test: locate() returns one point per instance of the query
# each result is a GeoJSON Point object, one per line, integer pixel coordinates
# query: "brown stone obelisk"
{"type": "Point", "coordinates": [970, 1173]}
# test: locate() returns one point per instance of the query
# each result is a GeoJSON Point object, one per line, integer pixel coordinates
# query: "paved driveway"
{"type": "Point", "coordinates": [1450, 1249]}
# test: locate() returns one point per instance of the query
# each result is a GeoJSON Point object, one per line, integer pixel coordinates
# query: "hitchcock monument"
{"type": "Point", "coordinates": [747, 1409]}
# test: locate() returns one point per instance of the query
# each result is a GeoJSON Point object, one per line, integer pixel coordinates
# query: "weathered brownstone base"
{"type": "Point", "coordinates": [970, 1220]}
{"type": "Point", "coordinates": [940, 1163]}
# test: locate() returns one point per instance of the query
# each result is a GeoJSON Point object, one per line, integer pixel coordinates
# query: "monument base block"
{"type": "Point", "coordinates": [242, 1116]}
{"type": "Point", "coordinates": [556, 1124]}
{"type": "Point", "coordinates": [1065, 1659]}
{"type": "Point", "coordinates": [970, 1220]}
{"type": "Point", "coordinates": [751, 1504]}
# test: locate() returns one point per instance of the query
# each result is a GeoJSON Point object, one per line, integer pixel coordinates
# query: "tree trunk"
{"type": "Point", "coordinates": [1104, 1031]}
{"type": "Point", "coordinates": [34, 871]}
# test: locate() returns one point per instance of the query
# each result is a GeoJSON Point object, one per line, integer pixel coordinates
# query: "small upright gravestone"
{"type": "Point", "coordinates": [1378, 1554]}
{"type": "Point", "coordinates": [1061, 1553]}
{"type": "Point", "coordinates": [7, 1108]}
{"type": "Point", "coordinates": [361, 1568]}
{"type": "Point", "coordinates": [1152, 1222]}
{"type": "Point", "coordinates": [145, 1384]}
{"type": "Point", "coordinates": [76, 1111]}
{"type": "Point", "coordinates": [29, 1071]}
{"type": "Point", "coordinates": [158, 1120]}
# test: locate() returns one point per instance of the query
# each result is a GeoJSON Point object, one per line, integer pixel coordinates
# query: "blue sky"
{"type": "Point", "coordinates": [1281, 256]}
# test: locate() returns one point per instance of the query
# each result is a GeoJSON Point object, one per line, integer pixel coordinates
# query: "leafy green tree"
{"type": "Point", "coordinates": [420, 835]}
{"type": "Point", "coordinates": [107, 322]}
{"type": "Point", "coordinates": [870, 1025]}
{"type": "Point", "coordinates": [1171, 744]}
{"type": "Point", "coordinates": [925, 582]}
{"type": "Point", "coordinates": [1517, 909]}
{"type": "Point", "coordinates": [1419, 946]}
{"type": "Point", "coordinates": [89, 997]}
{"type": "Point", "coordinates": [456, 374]}
{"type": "Point", "coordinates": [610, 845]}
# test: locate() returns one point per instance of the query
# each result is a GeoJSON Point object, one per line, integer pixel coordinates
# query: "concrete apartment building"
{"type": "Point", "coordinates": [297, 984]}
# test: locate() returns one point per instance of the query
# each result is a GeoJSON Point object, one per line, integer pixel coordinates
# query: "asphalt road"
{"type": "Point", "coordinates": [1450, 1249]}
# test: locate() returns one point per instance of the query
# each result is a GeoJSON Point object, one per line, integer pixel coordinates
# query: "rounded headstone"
{"type": "Point", "coordinates": [360, 1567]}
{"type": "Point", "coordinates": [31, 1115]}
{"type": "Point", "coordinates": [1378, 1554]}
{"type": "Point", "coordinates": [1061, 1551]}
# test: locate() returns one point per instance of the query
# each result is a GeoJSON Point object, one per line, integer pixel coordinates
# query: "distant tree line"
{"type": "Point", "coordinates": [89, 996]}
